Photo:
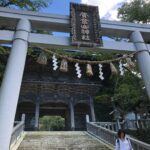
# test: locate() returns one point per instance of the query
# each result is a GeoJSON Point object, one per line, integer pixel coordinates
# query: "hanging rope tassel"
{"type": "Point", "coordinates": [55, 63]}
{"type": "Point", "coordinates": [113, 69]}
{"type": "Point", "coordinates": [64, 65]}
{"type": "Point", "coordinates": [121, 68]}
{"type": "Point", "coordinates": [100, 72]}
{"type": "Point", "coordinates": [78, 70]}
{"type": "Point", "coordinates": [42, 59]}
{"type": "Point", "coordinates": [130, 63]}
{"type": "Point", "coordinates": [89, 70]}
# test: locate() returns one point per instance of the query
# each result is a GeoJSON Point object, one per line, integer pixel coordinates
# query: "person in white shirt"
{"type": "Point", "coordinates": [122, 142]}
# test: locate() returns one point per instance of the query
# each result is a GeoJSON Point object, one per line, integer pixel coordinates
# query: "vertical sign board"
{"type": "Point", "coordinates": [85, 25]}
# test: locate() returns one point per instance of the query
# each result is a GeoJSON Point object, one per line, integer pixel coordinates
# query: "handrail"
{"type": "Point", "coordinates": [109, 125]}
{"type": "Point", "coordinates": [128, 124]}
{"type": "Point", "coordinates": [141, 144]}
{"type": "Point", "coordinates": [109, 136]}
{"type": "Point", "coordinates": [17, 131]}
{"type": "Point", "coordinates": [102, 133]}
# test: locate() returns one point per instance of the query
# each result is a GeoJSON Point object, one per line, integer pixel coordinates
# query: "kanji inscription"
{"type": "Point", "coordinates": [85, 25]}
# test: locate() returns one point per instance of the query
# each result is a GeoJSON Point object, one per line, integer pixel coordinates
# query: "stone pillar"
{"type": "Point", "coordinates": [72, 115]}
{"type": "Point", "coordinates": [37, 112]}
{"type": "Point", "coordinates": [67, 119]}
{"type": "Point", "coordinates": [92, 110]}
{"type": "Point", "coordinates": [11, 83]}
{"type": "Point", "coordinates": [143, 58]}
{"type": "Point", "coordinates": [87, 119]}
{"type": "Point", "coordinates": [23, 117]}
{"type": "Point", "coordinates": [118, 124]}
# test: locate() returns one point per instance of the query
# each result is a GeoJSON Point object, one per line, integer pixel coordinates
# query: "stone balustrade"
{"type": "Point", "coordinates": [17, 131]}
{"type": "Point", "coordinates": [109, 136]}
{"type": "Point", "coordinates": [128, 124]}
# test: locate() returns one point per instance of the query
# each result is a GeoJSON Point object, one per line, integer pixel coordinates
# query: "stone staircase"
{"type": "Point", "coordinates": [61, 141]}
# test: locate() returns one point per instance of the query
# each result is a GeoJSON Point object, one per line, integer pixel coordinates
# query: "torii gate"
{"type": "Point", "coordinates": [23, 21]}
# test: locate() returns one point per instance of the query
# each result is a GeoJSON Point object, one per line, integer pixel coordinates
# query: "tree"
{"type": "Point", "coordinates": [136, 11]}
{"type": "Point", "coordinates": [127, 94]}
{"type": "Point", "coordinates": [33, 5]}
{"type": "Point", "coordinates": [51, 123]}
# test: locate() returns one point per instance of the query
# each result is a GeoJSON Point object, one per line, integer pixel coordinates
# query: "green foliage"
{"type": "Point", "coordinates": [51, 123]}
{"type": "Point", "coordinates": [137, 11]}
{"type": "Point", "coordinates": [141, 134]}
{"type": "Point", "coordinates": [33, 5]}
{"type": "Point", "coordinates": [127, 94]}
{"type": "Point", "coordinates": [4, 51]}
{"type": "Point", "coordinates": [102, 111]}
{"type": "Point", "coordinates": [86, 55]}
{"type": "Point", "coordinates": [1, 71]}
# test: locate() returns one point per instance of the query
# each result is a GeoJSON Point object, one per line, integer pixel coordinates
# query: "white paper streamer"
{"type": "Point", "coordinates": [78, 70]}
{"type": "Point", "coordinates": [55, 63]}
{"type": "Point", "coordinates": [100, 72]}
{"type": "Point", "coordinates": [121, 68]}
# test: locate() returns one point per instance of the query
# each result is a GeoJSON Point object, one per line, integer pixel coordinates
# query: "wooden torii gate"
{"type": "Point", "coordinates": [24, 21]}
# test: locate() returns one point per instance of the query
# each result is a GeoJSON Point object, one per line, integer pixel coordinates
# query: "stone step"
{"type": "Point", "coordinates": [60, 141]}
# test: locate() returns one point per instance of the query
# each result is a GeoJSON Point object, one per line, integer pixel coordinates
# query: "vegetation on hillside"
{"type": "Point", "coordinates": [142, 134]}
{"type": "Point", "coordinates": [124, 92]}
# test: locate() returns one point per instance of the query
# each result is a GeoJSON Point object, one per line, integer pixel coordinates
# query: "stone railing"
{"type": "Point", "coordinates": [109, 136]}
{"type": "Point", "coordinates": [17, 131]}
{"type": "Point", "coordinates": [129, 124]}
{"type": "Point", "coordinates": [141, 124]}
{"type": "Point", "coordinates": [108, 125]}
{"type": "Point", "coordinates": [102, 133]}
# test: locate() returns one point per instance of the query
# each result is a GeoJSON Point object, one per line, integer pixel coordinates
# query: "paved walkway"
{"type": "Point", "coordinates": [60, 141]}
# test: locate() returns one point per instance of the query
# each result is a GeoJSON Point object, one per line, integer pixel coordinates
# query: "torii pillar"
{"type": "Point", "coordinates": [10, 87]}
{"type": "Point", "coordinates": [143, 58]}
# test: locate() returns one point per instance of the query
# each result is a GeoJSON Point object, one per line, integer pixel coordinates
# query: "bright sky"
{"type": "Point", "coordinates": [60, 6]}
{"type": "Point", "coordinates": [107, 8]}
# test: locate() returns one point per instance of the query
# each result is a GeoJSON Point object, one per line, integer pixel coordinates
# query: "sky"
{"type": "Point", "coordinates": [60, 6]}
{"type": "Point", "coordinates": [107, 8]}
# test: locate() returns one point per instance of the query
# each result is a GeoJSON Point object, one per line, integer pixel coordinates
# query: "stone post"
{"type": "Point", "coordinates": [72, 115]}
{"type": "Point", "coordinates": [11, 83]}
{"type": "Point", "coordinates": [143, 58]}
{"type": "Point", "coordinates": [92, 110]}
{"type": "Point", "coordinates": [87, 118]}
{"type": "Point", "coordinates": [23, 117]}
{"type": "Point", "coordinates": [37, 112]}
{"type": "Point", "coordinates": [118, 124]}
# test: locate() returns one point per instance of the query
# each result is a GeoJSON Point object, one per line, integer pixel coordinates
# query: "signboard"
{"type": "Point", "coordinates": [85, 25]}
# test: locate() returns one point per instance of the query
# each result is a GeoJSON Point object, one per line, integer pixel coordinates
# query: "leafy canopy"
{"type": "Point", "coordinates": [127, 93]}
{"type": "Point", "coordinates": [137, 11]}
{"type": "Point", "coordinates": [33, 5]}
